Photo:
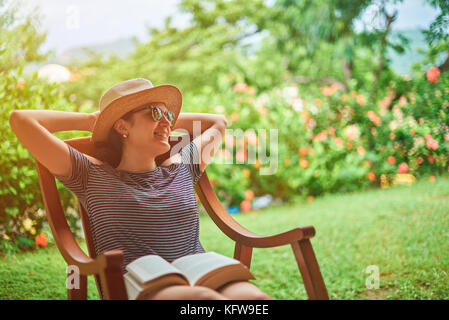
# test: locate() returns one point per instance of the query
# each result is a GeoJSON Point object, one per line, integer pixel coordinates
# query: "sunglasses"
{"type": "Point", "coordinates": [157, 113]}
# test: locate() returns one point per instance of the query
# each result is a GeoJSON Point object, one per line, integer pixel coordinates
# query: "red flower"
{"type": "Point", "coordinates": [433, 74]}
{"type": "Point", "coordinates": [431, 159]}
{"type": "Point", "coordinates": [403, 168]}
{"type": "Point", "coordinates": [41, 240]}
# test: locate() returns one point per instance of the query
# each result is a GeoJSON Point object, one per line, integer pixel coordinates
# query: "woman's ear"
{"type": "Point", "coordinates": [121, 126]}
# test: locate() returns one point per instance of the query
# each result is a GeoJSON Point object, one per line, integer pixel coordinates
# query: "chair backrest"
{"type": "Point", "coordinates": [55, 215]}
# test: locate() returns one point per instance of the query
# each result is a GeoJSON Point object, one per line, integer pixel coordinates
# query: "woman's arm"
{"type": "Point", "coordinates": [55, 121]}
{"type": "Point", "coordinates": [197, 123]}
{"type": "Point", "coordinates": [34, 130]}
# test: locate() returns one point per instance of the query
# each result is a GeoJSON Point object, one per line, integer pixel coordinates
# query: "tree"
{"type": "Point", "coordinates": [20, 40]}
{"type": "Point", "coordinates": [437, 35]}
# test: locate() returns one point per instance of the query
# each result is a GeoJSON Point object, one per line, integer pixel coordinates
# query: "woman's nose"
{"type": "Point", "coordinates": [164, 121]}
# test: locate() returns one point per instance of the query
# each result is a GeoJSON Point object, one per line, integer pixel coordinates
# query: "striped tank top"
{"type": "Point", "coordinates": [152, 212]}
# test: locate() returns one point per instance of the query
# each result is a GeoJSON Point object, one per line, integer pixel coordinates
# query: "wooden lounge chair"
{"type": "Point", "coordinates": [107, 267]}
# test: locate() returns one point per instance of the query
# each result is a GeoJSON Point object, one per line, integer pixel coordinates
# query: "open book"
{"type": "Point", "coordinates": [151, 273]}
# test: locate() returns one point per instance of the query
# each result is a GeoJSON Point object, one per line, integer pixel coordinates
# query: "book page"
{"type": "Point", "coordinates": [196, 265]}
{"type": "Point", "coordinates": [150, 267]}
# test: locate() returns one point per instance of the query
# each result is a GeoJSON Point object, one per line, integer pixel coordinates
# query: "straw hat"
{"type": "Point", "coordinates": [128, 95]}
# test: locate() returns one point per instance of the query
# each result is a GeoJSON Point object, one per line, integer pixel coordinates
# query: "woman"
{"type": "Point", "coordinates": [133, 205]}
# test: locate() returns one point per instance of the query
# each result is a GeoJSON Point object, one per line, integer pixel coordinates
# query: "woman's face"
{"type": "Point", "coordinates": [144, 132]}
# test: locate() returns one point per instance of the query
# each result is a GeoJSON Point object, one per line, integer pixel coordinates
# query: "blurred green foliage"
{"type": "Point", "coordinates": [343, 117]}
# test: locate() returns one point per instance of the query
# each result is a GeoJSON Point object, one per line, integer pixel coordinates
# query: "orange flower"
{"type": "Point", "coordinates": [249, 195]}
{"type": "Point", "coordinates": [258, 164]}
{"type": "Point", "coordinates": [318, 102]}
{"type": "Point", "coordinates": [412, 132]}
{"type": "Point", "coordinates": [420, 160]}
{"type": "Point", "coordinates": [246, 172]}
{"type": "Point", "coordinates": [327, 91]}
{"type": "Point", "coordinates": [321, 136]}
{"type": "Point", "coordinates": [374, 117]}
{"type": "Point", "coordinates": [310, 198]}
{"type": "Point", "coordinates": [234, 116]}
{"type": "Point", "coordinates": [41, 240]}
{"type": "Point", "coordinates": [432, 144]}
{"type": "Point", "coordinates": [361, 150]}
{"type": "Point", "coordinates": [303, 163]}
{"type": "Point", "coordinates": [338, 142]}
{"type": "Point", "coordinates": [302, 151]}
{"type": "Point", "coordinates": [360, 100]}
{"type": "Point", "coordinates": [287, 162]}
{"type": "Point", "coordinates": [432, 179]}
{"type": "Point", "coordinates": [349, 145]}
{"type": "Point", "coordinates": [371, 176]}
{"type": "Point", "coordinates": [20, 84]}
{"type": "Point", "coordinates": [391, 160]}
{"type": "Point", "coordinates": [240, 87]}
{"type": "Point", "coordinates": [245, 205]}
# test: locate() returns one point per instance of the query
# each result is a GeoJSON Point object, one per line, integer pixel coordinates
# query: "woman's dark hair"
{"type": "Point", "coordinates": [110, 151]}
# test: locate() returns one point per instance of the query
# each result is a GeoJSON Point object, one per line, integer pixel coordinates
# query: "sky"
{"type": "Point", "coordinates": [72, 23]}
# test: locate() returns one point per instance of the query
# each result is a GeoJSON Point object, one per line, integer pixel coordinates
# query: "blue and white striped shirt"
{"type": "Point", "coordinates": [153, 212]}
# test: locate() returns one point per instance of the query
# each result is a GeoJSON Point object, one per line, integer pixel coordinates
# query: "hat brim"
{"type": "Point", "coordinates": [167, 94]}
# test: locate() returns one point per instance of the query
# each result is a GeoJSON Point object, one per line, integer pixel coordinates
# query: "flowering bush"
{"type": "Point", "coordinates": [332, 141]}
{"type": "Point", "coordinates": [22, 210]}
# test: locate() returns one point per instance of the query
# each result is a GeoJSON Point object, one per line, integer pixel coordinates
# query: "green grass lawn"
{"type": "Point", "coordinates": [404, 231]}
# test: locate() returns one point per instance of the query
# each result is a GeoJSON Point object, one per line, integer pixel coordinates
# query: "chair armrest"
{"type": "Point", "coordinates": [67, 245]}
{"type": "Point", "coordinates": [229, 226]}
